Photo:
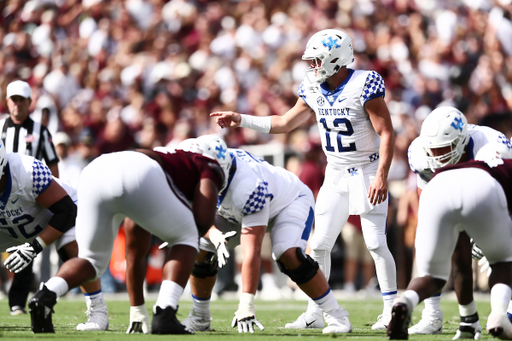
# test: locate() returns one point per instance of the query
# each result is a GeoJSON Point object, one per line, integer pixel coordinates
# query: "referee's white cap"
{"type": "Point", "coordinates": [19, 88]}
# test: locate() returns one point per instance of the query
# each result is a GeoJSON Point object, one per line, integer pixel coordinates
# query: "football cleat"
{"type": "Point", "coordinates": [41, 309]}
{"type": "Point", "coordinates": [337, 322]}
{"type": "Point", "coordinates": [198, 321]}
{"type": "Point", "coordinates": [431, 323]}
{"type": "Point", "coordinates": [165, 322]}
{"type": "Point", "coordinates": [307, 321]}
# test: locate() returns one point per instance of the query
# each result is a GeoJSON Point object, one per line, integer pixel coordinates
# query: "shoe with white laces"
{"type": "Point", "coordinates": [431, 323]}
{"type": "Point", "coordinates": [337, 322]}
{"type": "Point", "coordinates": [307, 321]}
{"type": "Point", "coordinates": [469, 328]}
{"type": "Point", "coordinates": [97, 316]}
{"type": "Point", "coordinates": [400, 319]}
{"type": "Point", "coordinates": [498, 325]}
{"type": "Point", "coordinates": [198, 321]}
{"type": "Point", "coordinates": [382, 322]}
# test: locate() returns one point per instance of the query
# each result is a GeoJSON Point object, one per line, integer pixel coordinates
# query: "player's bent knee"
{"type": "Point", "coordinates": [208, 268]}
{"type": "Point", "coordinates": [376, 242]}
{"type": "Point", "coordinates": [304, 272]}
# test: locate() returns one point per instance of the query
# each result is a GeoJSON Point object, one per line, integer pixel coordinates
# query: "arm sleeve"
{"type": "Point", "coordinates": [373, 87]}
{"type": "Point", "coordinates": [259, 218]}
{"type": "Point", "coordinates": [41, 177]}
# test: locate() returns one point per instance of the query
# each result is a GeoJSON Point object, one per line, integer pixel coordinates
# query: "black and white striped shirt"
{"type": "Point", "coordinates": [30, 138]}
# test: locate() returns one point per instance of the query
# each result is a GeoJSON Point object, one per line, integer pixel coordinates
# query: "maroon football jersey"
{"type": "Point", "coordinates": [186, 169]}
{"type": "Point", "coordinates": [502, 174]}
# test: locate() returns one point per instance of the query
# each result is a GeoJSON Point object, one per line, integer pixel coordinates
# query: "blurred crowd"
{"type": "Point", "coordinates": [117, 74]}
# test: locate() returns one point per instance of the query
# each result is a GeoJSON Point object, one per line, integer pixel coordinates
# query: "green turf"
{"type": "Point", "coordinates": [273, 315]}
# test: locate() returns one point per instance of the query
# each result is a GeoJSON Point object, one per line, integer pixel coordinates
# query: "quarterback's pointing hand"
{"type": "Point", "coordinates": [227, 119]}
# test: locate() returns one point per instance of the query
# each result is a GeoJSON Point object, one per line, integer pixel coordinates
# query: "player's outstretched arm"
{"type": "Point", "coordinates": [250, 242]}
{"type": "Point", "coordinates": [267, 124]}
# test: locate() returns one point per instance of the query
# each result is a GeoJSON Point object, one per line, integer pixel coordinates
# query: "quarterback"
{"type": "Point", "coordinates": [358, 140]}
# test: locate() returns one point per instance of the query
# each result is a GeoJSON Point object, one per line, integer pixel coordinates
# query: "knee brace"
{"type": "Point", "coordinates": [206, 269]}
{"type": "Point", "coordinates": [305, 272]}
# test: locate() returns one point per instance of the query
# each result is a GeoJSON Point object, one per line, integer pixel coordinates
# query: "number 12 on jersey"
{"type": "Point", "coordinates": [337, 125]}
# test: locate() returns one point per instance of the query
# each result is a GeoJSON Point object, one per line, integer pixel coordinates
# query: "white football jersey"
{"type": "Point", "coordinates": [21, 218]}
{"type": "Point", "coordinates": [347, 134]}
{"type": "Point", "coordinates": [479, 136]}
{"type": "Point", "coordinates": [254, 184]}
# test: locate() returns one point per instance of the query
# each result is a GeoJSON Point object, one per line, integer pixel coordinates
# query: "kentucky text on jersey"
{"type": "Point", "coordinates": [12, 213]}
{"type": "Point", "coordinates": [334, 111]}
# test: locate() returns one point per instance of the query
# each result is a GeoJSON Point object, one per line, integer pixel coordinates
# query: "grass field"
{"type": "Point", "coordinates": [363, 312]}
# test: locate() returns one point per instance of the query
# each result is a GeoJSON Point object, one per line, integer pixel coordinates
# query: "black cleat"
{"type": "Point", "coordinates": [400, 319]}
{"type": "Point", "coordinates": [165, 322]}
{"type": "Point", "coordinates": [41, 308]}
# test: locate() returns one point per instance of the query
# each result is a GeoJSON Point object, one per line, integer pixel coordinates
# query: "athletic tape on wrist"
{"type": "Point", "coordinates": [261, 124]}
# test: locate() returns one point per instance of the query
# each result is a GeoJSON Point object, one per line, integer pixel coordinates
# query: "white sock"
{"type": "Point", "coordinates": [500, 298]}
{"type": "Point", "coordinates": [169, 295]}
{"type": "Point", "coordinates": [433, 303]}
{"type": "Point", "coordinates": [313, 308]}
{"type": "Point", "coordinates": [58, 285]}
{"type": "Point", "coordinates": [327, 302]}
{"type": "Point", "coordinates": [94, 297]}
{"type": "Point", "coordinates": [468, 309]}
{"type": "Point", "coordinates": [388, 299]}
{"type": "Point", "coordinates": [200, 304]}
{"type": "Point", "coordinates": [413, 297]}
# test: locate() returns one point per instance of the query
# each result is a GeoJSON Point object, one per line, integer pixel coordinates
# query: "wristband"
{"type": "Point", "coordinates": [246, 306]}
{"type": "Point", "coordinates": [38, 244]}
{"type": "Point", "coordinates": [261, 124]}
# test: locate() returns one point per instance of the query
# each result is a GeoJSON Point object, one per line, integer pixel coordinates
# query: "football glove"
{"type": "Point", "coordinates": [485, 266]}
{"type": "Point", "coordinates": [245, 316]}
{"type": "Point", "coordinates": [22, 255]}
{"type": "Point", "coordinates": [220, 241]}
{"type": "Point", "coordinates": [476, 252]}
{"type": "Point", "coordinates": [139, 320]}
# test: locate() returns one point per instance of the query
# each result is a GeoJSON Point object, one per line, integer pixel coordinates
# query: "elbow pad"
{"type": "Point", "coordinates": [64, 214]}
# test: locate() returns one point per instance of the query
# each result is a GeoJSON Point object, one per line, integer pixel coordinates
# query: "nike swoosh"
{"type": "Point", "coordinates": [302, 195]}
{"type": "Point", "coordinates": [342, 99]}
{"type": "Point", "coordinates": [14, 201]}
{"type": "Point", "coordinates": [310, 323]}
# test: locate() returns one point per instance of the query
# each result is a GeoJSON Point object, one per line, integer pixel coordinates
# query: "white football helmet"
{"type": "Point", "coordinates": [192, 145]}
{"type": "Point", "coordinates": [3, 158]}
{"type": "Point", "coordinates": [215, 147]}
{"type": "Point", "coordinates": [329, 50]}
{"type": "Point", "coordinates": [444, 127]}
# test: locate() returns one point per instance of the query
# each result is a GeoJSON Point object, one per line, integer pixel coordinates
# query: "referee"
{"type": "Point", "coordinates": [20, 134]}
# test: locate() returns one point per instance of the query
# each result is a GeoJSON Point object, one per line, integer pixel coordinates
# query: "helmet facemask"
{"type": "Point", "coordinates": [449, 158]}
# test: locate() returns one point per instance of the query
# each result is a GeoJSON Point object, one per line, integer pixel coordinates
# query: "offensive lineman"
{"type": "Point", "coordinates": [154, 189]}
{"type": "Point", "coordinates": [358, 140]}
{"type": "Point", "coordinates": [37, 210]}
{"type": "Point", "coordinates": [475, 197]}
{"type": "Point", "coordinates": [446, 138]}
{"type": "Point", "coordinates": [258, 198]}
